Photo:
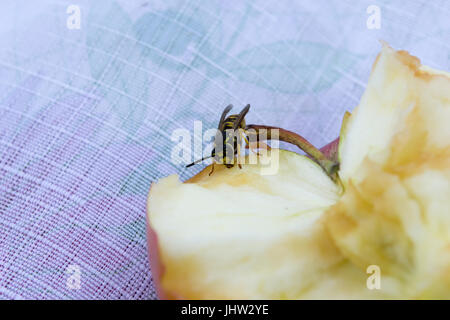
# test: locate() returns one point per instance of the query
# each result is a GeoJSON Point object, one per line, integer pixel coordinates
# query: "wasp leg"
{"type": "Point", "coordinates": [253, 148]}
{"type": "Point", "coordinates": [251, 145]}
{"type": "Point", "coordinates": [257, 145]}
{"type": "Point", "coordinates": [212, 169]}
{"type": "Point", "coordinates": [238, 158]}
{"type": "Point", "coordinates": [262, 145]}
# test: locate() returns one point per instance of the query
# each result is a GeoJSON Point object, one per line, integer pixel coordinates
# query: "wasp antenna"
{"type": "Point", "coordinates": [190, 165]}
{"type": "Point", "coordinates": [197, 161]}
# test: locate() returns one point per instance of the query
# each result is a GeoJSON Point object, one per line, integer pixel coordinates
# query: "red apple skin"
{"type": "Point", "coordinates": [156, 266]}
{"type": "Point", "coordinates": [331, 150]}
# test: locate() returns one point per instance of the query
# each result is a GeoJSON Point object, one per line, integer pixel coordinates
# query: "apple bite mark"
{"type": "Point", "coordinates": [395, 165]}
{"type": "Point", "coordinates": [237, 231]}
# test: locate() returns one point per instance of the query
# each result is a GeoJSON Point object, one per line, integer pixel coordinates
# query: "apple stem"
{"type": "Point", "coordinates": [330, 166]}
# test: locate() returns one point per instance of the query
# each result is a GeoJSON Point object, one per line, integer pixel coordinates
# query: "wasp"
{"type": "Point", "coordinates": [229, 134]}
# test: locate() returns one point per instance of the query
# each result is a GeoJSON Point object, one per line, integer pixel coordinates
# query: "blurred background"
{"type": "Point", "coordinates": [91, 92]}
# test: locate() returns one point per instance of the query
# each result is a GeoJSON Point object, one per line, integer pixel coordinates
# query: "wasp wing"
{"type": "Point", "coordinates": [219, 134]}
{"type": "Point", "coordinates": [224, 114]}
{"type": "Point", "coordinates": [241, 116]}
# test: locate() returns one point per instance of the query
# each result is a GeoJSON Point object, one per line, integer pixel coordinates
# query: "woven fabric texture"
{"type": "Point", "coordinates": [87, 114]}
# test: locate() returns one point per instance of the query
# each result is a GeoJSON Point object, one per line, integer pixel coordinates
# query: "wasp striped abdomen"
{"type": "Point", "coordinates": [231, 139]}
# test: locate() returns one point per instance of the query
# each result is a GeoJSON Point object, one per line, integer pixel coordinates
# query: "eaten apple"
{"type": "Point", "coordinates": [298, 234]}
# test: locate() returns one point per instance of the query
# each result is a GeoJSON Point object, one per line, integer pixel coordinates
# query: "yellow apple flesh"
{"type": "Point", "coordinates": [295, 234]}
